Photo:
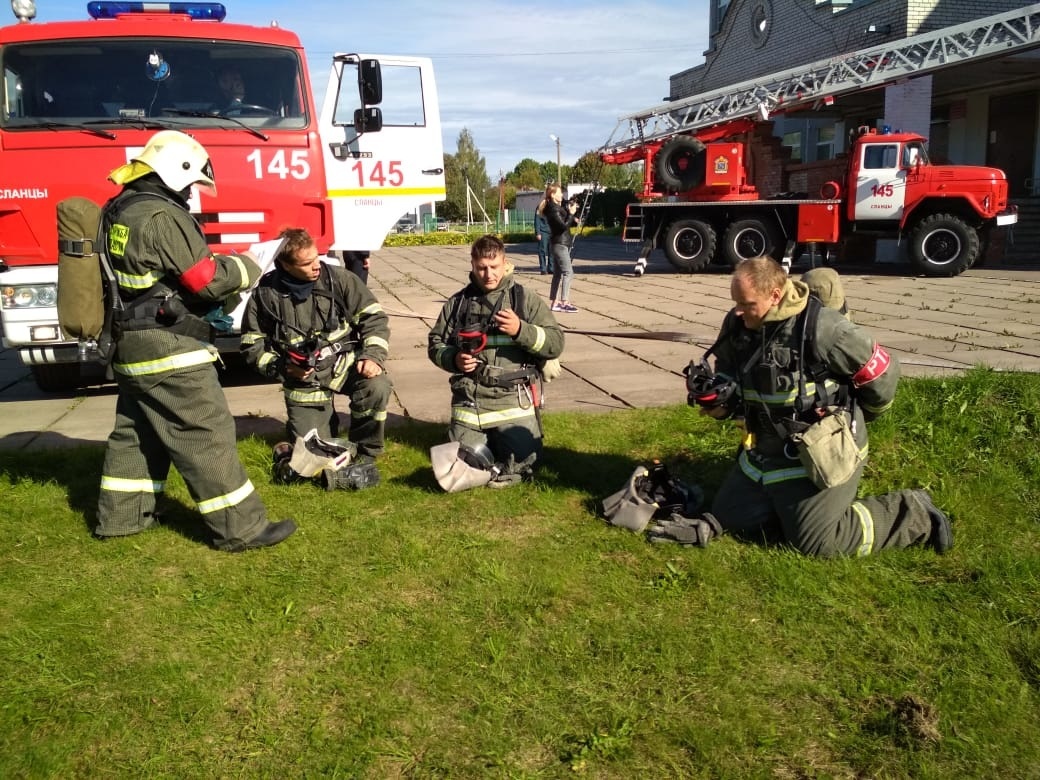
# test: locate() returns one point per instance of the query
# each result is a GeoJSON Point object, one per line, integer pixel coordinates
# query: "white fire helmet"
{"type": "Point", "coordinates": [177, 158]}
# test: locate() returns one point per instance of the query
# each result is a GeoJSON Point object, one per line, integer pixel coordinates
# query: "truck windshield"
{"type": "Point", "coordinates": [173, 83]}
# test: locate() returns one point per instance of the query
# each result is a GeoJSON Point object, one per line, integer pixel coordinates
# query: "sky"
{"type": "Point", "coordinates": [512, 73]}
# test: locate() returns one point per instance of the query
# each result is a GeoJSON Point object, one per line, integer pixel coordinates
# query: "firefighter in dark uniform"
{"type": "Point", "coordinates": [780, 381]}
{"type": "Point", "coordinates": [321, 331]}
{"type": "Point", "coordinates": [171, 407]}
{"type": "Point", "coordinates": [492, 336]}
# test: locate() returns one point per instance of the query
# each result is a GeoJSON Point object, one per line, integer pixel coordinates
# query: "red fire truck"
{"type": "Point", "coordinates": [82, 97]}
{"type": "Point", "coordinates": [887, 188]}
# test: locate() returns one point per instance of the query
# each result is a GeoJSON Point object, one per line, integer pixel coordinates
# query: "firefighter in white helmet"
{"type": "Point", "coordinates": [171, 408]}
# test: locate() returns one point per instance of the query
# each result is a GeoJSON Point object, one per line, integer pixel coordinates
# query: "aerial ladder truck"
{"type": "Point", "coordinates": [698, 203]}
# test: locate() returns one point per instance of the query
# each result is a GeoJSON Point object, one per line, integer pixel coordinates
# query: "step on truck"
{"type": "Point", "coordinates": [80, 98]}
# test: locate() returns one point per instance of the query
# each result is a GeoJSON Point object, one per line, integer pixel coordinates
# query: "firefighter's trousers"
{"type": "Point", "coordinates": [519, 435]}
{"type": "Point", "coordinates": [368, 401]}
{"type": "Point", "coordinates": [759, 493]}
{"type": "Point", "coordinates": [180, 417]}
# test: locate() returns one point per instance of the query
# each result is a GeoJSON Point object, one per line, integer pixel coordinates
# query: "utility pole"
{"type": "Point", "coordinates": [560, 169]}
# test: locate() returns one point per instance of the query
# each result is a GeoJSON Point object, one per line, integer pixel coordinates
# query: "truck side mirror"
{"type": "Point", "coordinates": [370, 82]}
{"type": "Point", "coordinates": [368, 120]}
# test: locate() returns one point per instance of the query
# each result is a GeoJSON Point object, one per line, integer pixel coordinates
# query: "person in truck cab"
{"type": "Point", "coordinates": [171, 407]}
{"type": "Point", "coordinates": [793, 368]}
{"type": "Point", "coordinates": [232, 88]}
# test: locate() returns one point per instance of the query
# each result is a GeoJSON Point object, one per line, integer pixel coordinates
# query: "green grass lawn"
{"type": "Point", "coordinates": [403, 632]}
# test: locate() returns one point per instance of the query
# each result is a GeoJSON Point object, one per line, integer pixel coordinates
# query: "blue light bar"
{"type": "Point", "coordinates": [109, 9]}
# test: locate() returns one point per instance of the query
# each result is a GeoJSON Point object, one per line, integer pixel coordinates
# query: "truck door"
{"type": "Point", "coordinates": [375, 177]}
{"type": "Point", "coordinates": [880, 182]}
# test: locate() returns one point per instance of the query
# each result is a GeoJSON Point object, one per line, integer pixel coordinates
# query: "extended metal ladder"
{"type": "Point", "coordinates": [992, 36]}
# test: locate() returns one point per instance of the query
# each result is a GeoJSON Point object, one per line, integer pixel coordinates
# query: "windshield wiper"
{"type": "Point", "coordinates": [208, 115]}
{"type": "Point", "coordinates": [50, 125]}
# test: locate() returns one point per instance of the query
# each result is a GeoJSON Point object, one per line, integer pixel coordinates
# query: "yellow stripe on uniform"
{"type": "Point", "coordinates": [309, 396]}
{"type": "Point", "coordinates": [122, 485]}
{"type": "Point", "coordinates": [488, 419]}
{"type": "Point", "coordinates": [243, 271]}
{"type": "Point", "coordinates": [196, 357]}
{"type": "Point", "coordinates": [377, 341]}
{"type": "Point", "coordinates": [137, 281]}
{"type": "Point", "coordinates": [227, 500]}
{"type": "Point", "coordinates": [866, 526]}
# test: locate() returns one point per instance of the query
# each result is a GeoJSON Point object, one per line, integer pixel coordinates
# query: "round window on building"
{"type": "Point", "coordinates": [761, 22]}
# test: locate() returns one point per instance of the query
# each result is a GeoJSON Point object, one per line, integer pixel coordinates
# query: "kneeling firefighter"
{"type": "Point", "coordinates": [315, 327]}
{"type": "Point", "coordinates": [499, 343]}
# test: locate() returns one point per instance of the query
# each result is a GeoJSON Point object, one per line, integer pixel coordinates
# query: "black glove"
{"type": "Point", "coordinates": [685, 530]}
{"type": "Point", "coordinates": [512, 472]}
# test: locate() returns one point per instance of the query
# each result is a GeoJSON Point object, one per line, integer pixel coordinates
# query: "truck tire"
{"type": "Point", "coordinates": [690, 244]}
{"type": "Point", "coordinates": [679, 164]}
{"type": "Point", "coordinates": [943, 245]}
{"type": "Point", "coordinates": [752, 237]}
{"type": "Point", "coordinates": [57, 377]}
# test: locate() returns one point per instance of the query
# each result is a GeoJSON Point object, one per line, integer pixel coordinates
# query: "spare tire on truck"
{"type": "Point", "coordinates": [679, 164]}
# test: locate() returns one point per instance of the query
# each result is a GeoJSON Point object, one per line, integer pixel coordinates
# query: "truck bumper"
{"type": "Point", "coordinates": [1008, 216]}
{"type": "Point", "coordinates": [49, 354]}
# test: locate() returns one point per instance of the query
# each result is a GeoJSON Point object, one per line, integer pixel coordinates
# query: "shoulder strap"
{"type": "Point", "coordinates": [813, 363]}
{"type": "Point", "coordinates": [517, 298]}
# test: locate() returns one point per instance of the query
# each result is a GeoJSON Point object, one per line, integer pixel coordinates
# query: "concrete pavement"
{"type": "Point", "coordinates": [935, 326]}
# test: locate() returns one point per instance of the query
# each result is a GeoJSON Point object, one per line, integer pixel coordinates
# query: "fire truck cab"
{"type": "Point", "coordinates": [80, 98]}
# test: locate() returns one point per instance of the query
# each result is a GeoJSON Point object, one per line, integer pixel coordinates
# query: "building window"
{"type": "Point", "coordinates": [718, 14]}
{"type": "Point", "coordinates": [793, 141]}
{"type": "Point", "coordinates": [825, 143]}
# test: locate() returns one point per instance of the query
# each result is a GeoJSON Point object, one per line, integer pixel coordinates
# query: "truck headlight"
{"type": "Point", "coordinates": [25, 296]}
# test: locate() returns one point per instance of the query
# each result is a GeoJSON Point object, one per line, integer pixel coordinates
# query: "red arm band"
{"type": "Point", "coordinates": [199, 275]}
{"type": "Point", "coordinates": [875, 367]}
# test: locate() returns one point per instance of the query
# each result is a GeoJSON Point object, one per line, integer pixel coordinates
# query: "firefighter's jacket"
{"type": "Point", "coordinates": [475, 401]}
{"type": "Point", "coordinates": [843, 366]}
{"type": "Point", "coordinates": [158, 251]}
{"type": "Point", "coordinates": [339, 323]}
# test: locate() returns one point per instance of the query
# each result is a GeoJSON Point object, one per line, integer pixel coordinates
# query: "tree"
{"type": "Point", "coordinates": [527, 175]}
{"type": "Point", "coordinates": [467, 165]}
{"type": "Point", "coordinates": [590, 168]}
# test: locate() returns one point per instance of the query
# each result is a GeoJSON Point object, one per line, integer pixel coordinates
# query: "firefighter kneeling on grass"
{"type": "Point", "coordinates": [805, 380]}
{"type": "Point", "coordinates": [319, 329]}
{"type": "Point", "coordinates": [498, 341]}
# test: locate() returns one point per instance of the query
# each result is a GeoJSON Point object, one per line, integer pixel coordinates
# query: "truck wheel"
{"type": "Point", "coordinates": [56, 377]}
{"type": "Point", "coordinates": [750, 238]}
{"type": "Point", "coordinates": [943, 245]}
{"type": "Point", "coordinates": [679, 164]}
{"type": "Point", "coordinates": [690, 244]}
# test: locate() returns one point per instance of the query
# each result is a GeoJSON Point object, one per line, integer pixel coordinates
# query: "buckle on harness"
{"type": "Point", "coordinates": [80, 247]}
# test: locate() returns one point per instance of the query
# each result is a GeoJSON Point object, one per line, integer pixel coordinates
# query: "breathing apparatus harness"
{"type": "Point", "coordinates": [312, 347]}
{"type": "Point", "coordinates": [705, 388]}
{"type": "Point", "coordinates": [161, 305]}
{"type": "Point", "coordinates": [470, 334]}
{"type": "Point", "coordinates": [808, 408]}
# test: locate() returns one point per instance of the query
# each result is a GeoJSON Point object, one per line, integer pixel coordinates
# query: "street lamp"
{"type": "Point", "coordinates": [559, 168]}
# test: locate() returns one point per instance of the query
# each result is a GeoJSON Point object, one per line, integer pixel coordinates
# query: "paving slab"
{"type": "Point", "coordinates": [936, 327]}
